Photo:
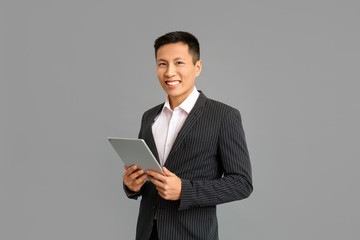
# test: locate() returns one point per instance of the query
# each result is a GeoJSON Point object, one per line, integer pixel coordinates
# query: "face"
{"type": "Point", "coordinates": [176, 71]}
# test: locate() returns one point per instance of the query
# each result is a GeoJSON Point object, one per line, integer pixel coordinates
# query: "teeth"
{"type": "Point", "coordinates": [173, 83]}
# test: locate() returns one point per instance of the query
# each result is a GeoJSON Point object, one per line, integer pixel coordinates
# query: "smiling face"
{"type": "Point", "coordinates": [176, 71]}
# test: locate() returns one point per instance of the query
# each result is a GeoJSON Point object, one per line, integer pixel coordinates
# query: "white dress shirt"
{"type": "Point", "coordinates": [169, 122]}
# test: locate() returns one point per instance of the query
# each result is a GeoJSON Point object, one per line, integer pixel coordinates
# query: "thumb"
{"type": "Point", "coordinates": [167, 172]}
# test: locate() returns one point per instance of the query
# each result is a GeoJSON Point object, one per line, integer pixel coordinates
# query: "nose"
{"type": "Point", "coordinates": [170, 71]}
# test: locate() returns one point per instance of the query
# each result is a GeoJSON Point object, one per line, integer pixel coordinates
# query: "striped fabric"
{"type": "Point", "coordinates": [211, 158]}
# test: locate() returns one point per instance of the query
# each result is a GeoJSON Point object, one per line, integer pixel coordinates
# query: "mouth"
{"type": "Point", "coordinates": [172, 83]}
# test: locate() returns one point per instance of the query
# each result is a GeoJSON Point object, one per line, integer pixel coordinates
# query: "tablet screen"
{"type": "Point", "coordinates": [135, 151]}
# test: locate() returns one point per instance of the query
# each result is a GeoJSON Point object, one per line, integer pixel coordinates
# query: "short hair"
{"type": "Point", "coordinates": [180, 36]}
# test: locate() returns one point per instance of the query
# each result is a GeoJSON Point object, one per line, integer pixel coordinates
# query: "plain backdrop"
{"type": "Point", "coordinates": [74, 72]}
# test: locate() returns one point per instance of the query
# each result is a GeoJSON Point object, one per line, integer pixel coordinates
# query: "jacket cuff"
{"type": "Point", "coordinates": [186, 194]}
{"type": "Point", "coordinates": [129, 193]}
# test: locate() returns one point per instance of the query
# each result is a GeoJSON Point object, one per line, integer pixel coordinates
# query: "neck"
{"type": "Point", "coordinates": [176, 101]}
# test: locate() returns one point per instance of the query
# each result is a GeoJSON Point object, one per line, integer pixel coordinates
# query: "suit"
{"type": "Point", "coordinates": [210, 156]}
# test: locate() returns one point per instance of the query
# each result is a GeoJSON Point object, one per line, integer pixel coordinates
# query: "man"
{"type": "Point", "coordinates": [199, 142]}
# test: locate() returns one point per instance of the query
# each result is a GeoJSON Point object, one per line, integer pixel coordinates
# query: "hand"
{"type": "Point", "coordinates": [169, 186]}
{"type": "Point", "coordinates": [134, 178]}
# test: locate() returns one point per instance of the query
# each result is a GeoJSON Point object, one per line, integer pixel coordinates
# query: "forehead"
{"type": "Point", "coordinates": [173, 50]}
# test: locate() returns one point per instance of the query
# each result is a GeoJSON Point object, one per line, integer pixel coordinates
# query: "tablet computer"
{"type": "Point", "coordinates": [135, 151]}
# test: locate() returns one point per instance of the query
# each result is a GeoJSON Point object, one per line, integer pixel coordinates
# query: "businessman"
{"type": "Point", "coordinates": [199, 142]}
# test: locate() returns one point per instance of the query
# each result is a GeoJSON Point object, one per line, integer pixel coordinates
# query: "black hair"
{"type": "Point", "coordinates": [180, 36]}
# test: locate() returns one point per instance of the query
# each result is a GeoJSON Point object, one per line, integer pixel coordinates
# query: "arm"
{"type": "Point", "coordinates": [233, 157]}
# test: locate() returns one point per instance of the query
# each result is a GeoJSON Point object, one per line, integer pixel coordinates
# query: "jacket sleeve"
{"type": "Point", "coordinates": [131, 194]}
{"type": "Point", "coordinates": [233, 157]}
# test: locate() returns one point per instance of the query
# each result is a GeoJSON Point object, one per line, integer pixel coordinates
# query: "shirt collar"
{"type": "Point", "coordinates": [188, 103]}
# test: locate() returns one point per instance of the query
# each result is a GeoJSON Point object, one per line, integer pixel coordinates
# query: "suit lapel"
{"type": "Point", "coordinates": [194, 115]}
{"type": "Point", "coordinates": [148, 134]}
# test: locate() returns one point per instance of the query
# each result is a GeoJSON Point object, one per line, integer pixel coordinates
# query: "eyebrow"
{"type": "Point", "coordinates": [176, 59]}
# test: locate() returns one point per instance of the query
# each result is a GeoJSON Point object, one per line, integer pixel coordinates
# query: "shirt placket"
{"type": "Point", "coordinates": [170, 134]}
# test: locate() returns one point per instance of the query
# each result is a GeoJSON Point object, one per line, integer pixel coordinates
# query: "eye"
{"type": "Point", "coordinates": [179, 63]}
{"type": "Point", "coordinates": [161, 64]}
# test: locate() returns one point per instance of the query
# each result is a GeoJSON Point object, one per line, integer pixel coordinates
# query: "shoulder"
{"type": "Point", "coordinates": [219, 108]}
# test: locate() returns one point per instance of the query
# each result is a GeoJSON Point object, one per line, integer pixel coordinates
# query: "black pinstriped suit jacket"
{"type": "Point", "coordinates": [211, 158]}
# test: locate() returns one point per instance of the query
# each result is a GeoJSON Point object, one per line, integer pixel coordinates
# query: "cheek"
{"type": "Point", "coordinates": [159, 74]}
{"type": "Point", "coordinates": [189, 75]}
{"type": "Point", "coordinates": [161, 79]}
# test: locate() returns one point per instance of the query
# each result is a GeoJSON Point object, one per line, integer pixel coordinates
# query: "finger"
{"type": "Point", "coordinates": [152, 179]}
{"type": "Point", "coordinates": [156, 182]}
{"type": "Point", "coordinates": [160, 189]}
{"type": "Point", "coordinates": [162, 194]}
{"type": "Point", "coordinates": [167, 172]}
{"type": "Point", "coordinates": [143, 175]}
{"type": "Point", "coordinates": [133, 167]}
{"type": "Point", "coordinates": [150, 172]}
{"type": "Point", "coordinates": [156, 175]}
{"type": "Point", "coordinates": [141, 180]}
{"type": "Point", "coordinates": [130, 170]}
{"type": "Point", "coordinates": [136, 174]}
{"type": "Point", "coordinates": [133, 175]}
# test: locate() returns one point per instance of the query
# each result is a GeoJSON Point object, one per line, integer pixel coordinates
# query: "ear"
{"type": "Point", "coordinates": [198, 66]}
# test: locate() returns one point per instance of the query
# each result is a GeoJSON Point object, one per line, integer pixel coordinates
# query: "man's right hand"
{"type": "Point", "coordinates": [134, 178]}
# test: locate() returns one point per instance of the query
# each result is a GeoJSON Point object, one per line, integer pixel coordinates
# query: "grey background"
{"type": "Point", "coordinates": [75, 72]}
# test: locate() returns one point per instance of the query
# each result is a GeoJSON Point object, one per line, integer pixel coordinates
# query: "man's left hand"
{"type": "Point", "coordinates": [169, 186]}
